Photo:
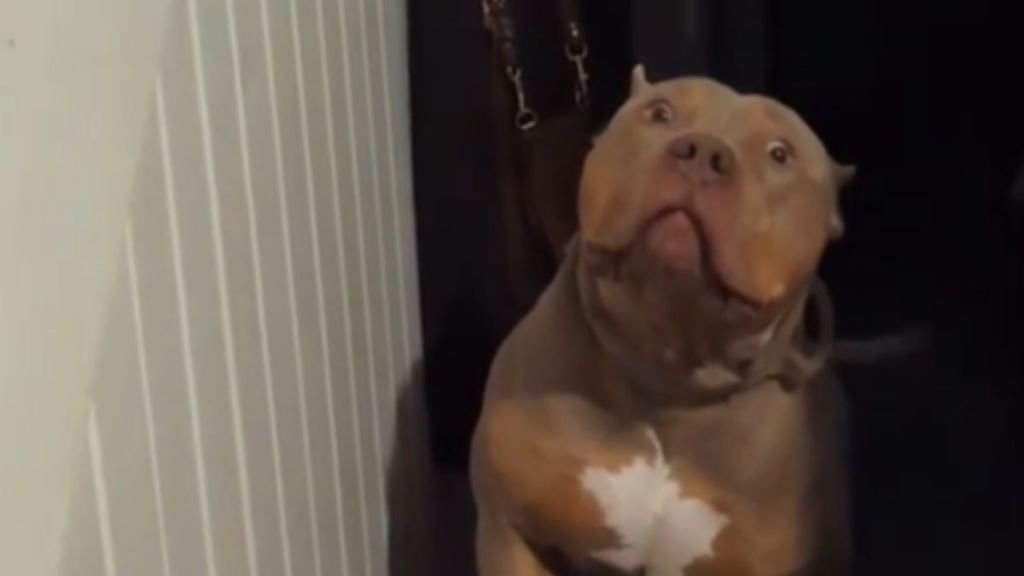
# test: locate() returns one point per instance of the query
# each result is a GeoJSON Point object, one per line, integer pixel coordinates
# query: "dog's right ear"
{"type": "Point", "coordinates": [638, 80]}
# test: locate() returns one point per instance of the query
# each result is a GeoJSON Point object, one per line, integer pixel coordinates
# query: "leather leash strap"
{"type": "Point", "coordinates": [576, 50]}
{"type": "Point", "coordinates": [503, 34]}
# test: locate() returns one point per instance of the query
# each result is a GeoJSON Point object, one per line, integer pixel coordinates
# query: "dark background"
{"type": "Point", "coordinates": [927, 99]}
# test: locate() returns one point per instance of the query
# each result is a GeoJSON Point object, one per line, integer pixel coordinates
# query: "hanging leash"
{"type": "Point", "coordinates": [502, 29]}
{"type": "Point", "coordinates": [576, 51]}
{"type": "Point", "coordinates": [503, 33]}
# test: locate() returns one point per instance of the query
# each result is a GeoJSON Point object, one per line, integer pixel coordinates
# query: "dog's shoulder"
{"type": "Point", "coordinates": [527, 465]}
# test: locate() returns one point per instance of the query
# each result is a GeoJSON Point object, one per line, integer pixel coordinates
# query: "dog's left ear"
{"type": "Point", "coordinates": [836, 226]}
{"type": "Point", "coordinates": [842, 174]}
{"type": "Point", "coordinates": [638, 80]}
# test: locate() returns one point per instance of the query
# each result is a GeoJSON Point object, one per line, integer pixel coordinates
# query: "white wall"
{"type": "Point", "coordinates": [74, 85]}
{"type": "Point", "coordinates": [254, 401]}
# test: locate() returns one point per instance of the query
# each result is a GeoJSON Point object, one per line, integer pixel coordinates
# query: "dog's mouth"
{"type": "Point", "coordinates": [676, 237]}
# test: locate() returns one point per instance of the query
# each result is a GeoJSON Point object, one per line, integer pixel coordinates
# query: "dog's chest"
{"type": "Point", "coordinates": [662, 527]}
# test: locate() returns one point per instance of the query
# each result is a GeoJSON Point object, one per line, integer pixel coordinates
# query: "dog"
{"type": "Point", "coordinates": [661, 410]}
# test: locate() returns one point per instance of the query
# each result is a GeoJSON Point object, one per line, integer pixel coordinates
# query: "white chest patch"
{"type": "Point", "coordinates": [661, 530]}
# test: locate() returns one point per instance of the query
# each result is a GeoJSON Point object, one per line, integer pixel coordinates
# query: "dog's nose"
{"type": "Point", "coordinates": [703, 156]}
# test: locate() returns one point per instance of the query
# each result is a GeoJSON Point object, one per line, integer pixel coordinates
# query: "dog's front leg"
{"type": "Point", "coordinates": [501, 550]}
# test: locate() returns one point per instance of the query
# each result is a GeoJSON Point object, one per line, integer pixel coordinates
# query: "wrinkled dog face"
{"type": "Point", "coordinates": [727, 200]}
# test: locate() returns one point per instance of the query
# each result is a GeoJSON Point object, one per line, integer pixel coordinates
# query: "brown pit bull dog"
{"type": "Point", "coordinates": [657, 412]}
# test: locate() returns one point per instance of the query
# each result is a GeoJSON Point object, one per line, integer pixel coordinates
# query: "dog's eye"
{"type": "Point", "coordinates": [779, 152]}
{"type": "Point", "coordinates": [660, 113]}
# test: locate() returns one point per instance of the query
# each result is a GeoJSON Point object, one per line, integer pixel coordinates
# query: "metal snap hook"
{"type": "Point", "coordinates": [526, 119]}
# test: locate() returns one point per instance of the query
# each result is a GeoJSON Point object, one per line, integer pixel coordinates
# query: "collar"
{"type": "Point", "coordinates": [789, 356]}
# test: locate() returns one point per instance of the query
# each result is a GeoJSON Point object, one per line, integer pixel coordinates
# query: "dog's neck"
{"type": "Point", "coordinates": [677, 363]}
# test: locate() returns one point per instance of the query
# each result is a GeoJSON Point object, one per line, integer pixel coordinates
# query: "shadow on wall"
{"type": "Point", "coordinates": [430, 529]}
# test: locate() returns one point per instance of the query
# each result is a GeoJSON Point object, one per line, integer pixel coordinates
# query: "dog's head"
{"type": "Point", "coordinates": [707, 207]}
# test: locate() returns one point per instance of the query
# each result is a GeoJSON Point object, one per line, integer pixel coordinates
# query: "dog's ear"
{"type": "Point", "coordinates": [842, 174]}
{"type": "Point", "coordinates": [638, 80]}
{"type": "Point", "coordinates": [836, 226]}
{"type": "Point", "coordinates": [596, 135]}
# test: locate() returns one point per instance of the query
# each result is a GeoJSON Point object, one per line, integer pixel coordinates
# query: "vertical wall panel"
{"type": "Point", "coordinates": [353, 401]}
{"type": "Point", "coordinates": [121, 422]}
{"type": "Point", "coordinates": [302, 297]}
{"type": "Point", "coordinates": [357, 228]}
{"type": "Point", "coordinates": [206, 356]}
{"type": "Point", "coordinates": [367, 229]}
{"type": "Point", "coordinates": [256, 401]}
{"type": "Point", "coordinates": [83, 552]}
{"type": "Point", "coordinates": [323, 165]}
{"type": "Point", "coordinates": [242, 239]}
{"type": "Point", "coordinates": [160, 318]}
{"type": "Point", "coordinates": [259, 44]}
{"type": "Point", "coordinates": [312, 301]}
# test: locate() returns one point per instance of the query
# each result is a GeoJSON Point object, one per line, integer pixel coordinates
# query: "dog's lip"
{"type": "Point", "coordinates": [729, 297]}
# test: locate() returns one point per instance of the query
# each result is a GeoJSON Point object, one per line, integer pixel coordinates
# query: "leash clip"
{"type": "Point", "coordinates": [577, 50]}
{"type": "Point", "coordinates": [526, 118]}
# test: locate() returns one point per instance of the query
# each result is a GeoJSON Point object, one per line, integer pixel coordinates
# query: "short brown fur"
{"type": "Point", "coordinates": [614, 345]}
